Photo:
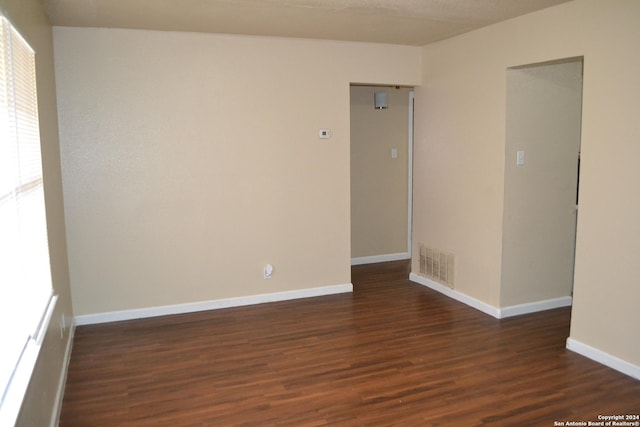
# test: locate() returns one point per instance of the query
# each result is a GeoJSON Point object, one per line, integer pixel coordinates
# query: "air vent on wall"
{"type": "Point", "coordinates": [437, 265]}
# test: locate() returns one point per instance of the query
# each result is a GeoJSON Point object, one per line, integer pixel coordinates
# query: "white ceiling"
{"type": "Point", "coordinates": [409, 22]}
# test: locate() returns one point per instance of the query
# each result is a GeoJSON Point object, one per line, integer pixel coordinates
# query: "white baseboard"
{"type": "Point", "coordinates": [57, 404]}
{"type": "Point", "coordinates": [604, 358]}
{"type": "Point", "coordinates": [380, 258]}
{"type": "Point", "coordinates": [498, 313]}
{"type": "Point", "coordinates": [533, 307]}
{"type": "Point", "coordinates": [140, 313]}
{"type": "Point", "coordinates": [458, 296]}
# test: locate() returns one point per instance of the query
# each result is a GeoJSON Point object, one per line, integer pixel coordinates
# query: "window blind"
{"type": "Point", "coordinates": [25, 273]}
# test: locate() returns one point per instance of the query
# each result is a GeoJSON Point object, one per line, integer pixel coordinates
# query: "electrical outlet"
{"type": "Point", "coordinates": [268, 271]}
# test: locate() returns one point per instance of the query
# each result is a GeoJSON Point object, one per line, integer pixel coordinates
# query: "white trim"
{"type": "Point", "coordinates": [17, 388]}
{"type": "Point", "coordinates": [533, 307]}
{"type": "Point", "coordinates": [410, 176]}
{"type": "Point", "coordinates": [57, 404]}
{"type": "Point", "coordinates": [498, 313]}
{"type": "Point", "coordinates": [42, 328]}
{"type": "Point", "coordinates": [141, 313]}
{"type": "Point", "coordinates": [380, 258]}
{"type": "Point", "coordinates": [458, 296]}
{"type": "Point", "coordinates": [604, 358]}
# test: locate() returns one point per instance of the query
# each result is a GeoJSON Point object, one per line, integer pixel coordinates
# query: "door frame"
{"type": "Point", "coordinates": [407, 254]}
{"type": "Point", "coordinates": [410, 177]}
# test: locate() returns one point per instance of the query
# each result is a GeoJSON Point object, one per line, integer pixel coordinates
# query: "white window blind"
{"type": "Point", "coordinates": [25, 273]}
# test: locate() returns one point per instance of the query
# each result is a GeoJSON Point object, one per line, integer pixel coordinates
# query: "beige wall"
{"type": "Point", "coordinates": [192, 160]}
{"type": "Point", "coordinates": [379, 182]}
{"type": "Point", "coordinates": [543, 119]}
{"type": "Point", "coordinates": [39, 405]}
{"type": "Point", "coordinates": [459, 157]}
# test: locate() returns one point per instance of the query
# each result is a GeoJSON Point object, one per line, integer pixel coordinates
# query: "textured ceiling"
{"type": "Point", "coordinates": [410, 22]}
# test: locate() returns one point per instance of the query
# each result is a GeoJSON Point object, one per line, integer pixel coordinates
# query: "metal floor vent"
{"type": "Point", "coordinates": [437, 265]}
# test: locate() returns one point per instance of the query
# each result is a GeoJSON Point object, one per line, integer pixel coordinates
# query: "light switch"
{"type": "Point", "coordinates": [520, 158]}
{"type": "Point", "coordinates": [394, 153]}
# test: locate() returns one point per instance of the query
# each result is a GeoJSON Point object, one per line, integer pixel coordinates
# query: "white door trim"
{"type": "Point", "coordinates": [410, 175]}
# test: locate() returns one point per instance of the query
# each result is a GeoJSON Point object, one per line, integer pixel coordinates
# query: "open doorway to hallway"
{"type": "Point", "coordinates": [542, 151]}
{"type": "Point", "coordinates": [381, 173]}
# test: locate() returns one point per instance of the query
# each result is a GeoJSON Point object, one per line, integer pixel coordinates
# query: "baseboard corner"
{"type": "Point", "coordinates": [456, 295]}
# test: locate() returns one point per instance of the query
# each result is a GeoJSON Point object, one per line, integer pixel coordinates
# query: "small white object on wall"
{"type": "Point", "coordinates": [268, 271]}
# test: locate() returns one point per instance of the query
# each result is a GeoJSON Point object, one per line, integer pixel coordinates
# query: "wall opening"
{"type": "Point", "coordinates": [542, 151]}
{"type": "Point", "coordinates": [381, 169]}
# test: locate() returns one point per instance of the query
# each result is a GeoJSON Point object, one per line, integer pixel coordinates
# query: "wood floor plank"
{"type": "Point", "coordinates": [391, 353]}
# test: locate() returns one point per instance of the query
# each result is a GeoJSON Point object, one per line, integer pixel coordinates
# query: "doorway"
{"type": "Point", "coordinates": [381, 173]}
{"type": "Point", "coordinates": [542, 149]}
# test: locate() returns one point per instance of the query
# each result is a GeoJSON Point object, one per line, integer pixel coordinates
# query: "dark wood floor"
{"type": "Point", "coordinates": [391, 353]}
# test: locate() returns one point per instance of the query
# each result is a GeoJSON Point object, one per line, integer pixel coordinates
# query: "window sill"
{"type": "Point", "coordinates": [17, 389]}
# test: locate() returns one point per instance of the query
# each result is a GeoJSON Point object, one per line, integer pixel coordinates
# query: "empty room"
{"type": "Point", "coordinates": [312, 212]}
